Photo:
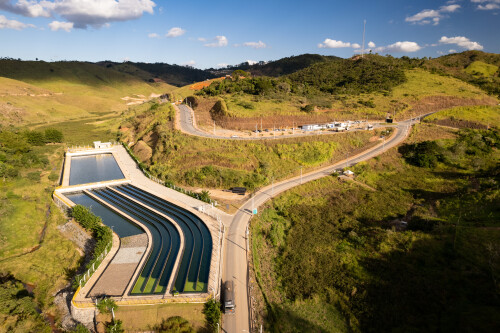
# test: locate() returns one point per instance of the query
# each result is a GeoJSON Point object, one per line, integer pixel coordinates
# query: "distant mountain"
{"type": "Point", "coordinates": [172, 74]}
{"type": "Point", "coordinates": [279, 67]}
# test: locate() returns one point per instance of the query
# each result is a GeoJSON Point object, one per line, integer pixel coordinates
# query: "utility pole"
{"type": "Point", "coordinates": [363, 48]}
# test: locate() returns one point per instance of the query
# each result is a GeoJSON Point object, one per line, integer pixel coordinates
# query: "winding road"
{"type": "Point", "coordinates": [235, 253]}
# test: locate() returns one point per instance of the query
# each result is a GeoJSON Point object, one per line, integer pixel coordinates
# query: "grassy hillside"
{"type": "Point", "coordinates": [284, 103]}
{"type": "Point", "coordinates": [172, 74]}
{"type": "Point", "coordinates": [279, 67]}
{"type": "Point", "coordinates": [209, 163]}
{"type": "Point", "coordinates": [37, 91]}
{"type": "Point", "coordinates": [334, 256]}
{"type": "Point", "coordinates": [469, 117]}
{"type": "Point", "coordinates": [32, 249]}
{"type": "Point", "coordinates": [476, 67]}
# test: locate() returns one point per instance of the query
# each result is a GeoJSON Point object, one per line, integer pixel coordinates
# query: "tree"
{"type": "Point", "coordinates": [53, 135]}
{"type": "Point", "coordinates": [106, 305]}
{"type": "Point", "coordinates": [116, 326]}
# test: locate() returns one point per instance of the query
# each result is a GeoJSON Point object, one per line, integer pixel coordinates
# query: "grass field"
{"type": "Point", "coordinates": [331, 256]}
{"type": "Point", "coordinates": [143, 318]}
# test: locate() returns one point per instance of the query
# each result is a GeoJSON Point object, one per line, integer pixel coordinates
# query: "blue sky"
{"type": "Point", "coordinates": [215, 33]}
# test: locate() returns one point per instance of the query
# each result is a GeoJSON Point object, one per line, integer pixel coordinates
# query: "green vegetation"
{"type": "Point", "coordinates": [103, 237]}
{"type": "Point", "coordinates": [147, 318]}
{"type": "Point", "coordinates": [106, 305]}
{"type": "Point", "coordinates": [115, 326]}
{"type": "Point", "coordinates": [476, 67]}
{"type": "Point", "coordinates": [201, 162]}
{"type": "Point", "coordinates": [467, 116]}
{"type": "Point", "coordinates": [174, 324]}
{"type": "Point", "coordinates": [65, 90]}
{"type": "Point", "coordinates": [212, 313]}
{"type": "Point", "coordinates": [335, 256]}
{"type": "Point", "coordinates": [32, 249]}
{"type": "Point", "coordinates": [479, 68]}
{"type": "Point", "coordinates": [18, 309]}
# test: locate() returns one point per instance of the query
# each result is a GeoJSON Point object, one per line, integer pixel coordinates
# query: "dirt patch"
{"type": "Point", "coordinates": [142, 151]}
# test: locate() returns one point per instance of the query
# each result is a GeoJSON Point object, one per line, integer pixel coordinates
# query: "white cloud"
{"type": "Point", "coordinates": [175, 32]}
{"type": "Point", "coordinates": [251, 62]}
{"type": "Point", "coordinates": [336, 44]}
{"type": "Point", "coordinates": [82, 13]}
{"type": "Point", "coordinates": [26, 8]}
{"type": "Point", "coordinates": [256, 45]}
{"type": "Point", "coordinates": [201, 39]}
{"type": "Point", "coordinates": [461, 41]}
{"type": "Point", "coordinates": [153, 35]}
{"type": "Point", "coordinates": [5, 23]}
{"type": "Point", "coordinates": [452, 51]}
{"type": "Point", "coordinates": [222, 65]}
{"type": "Point", "coordinates": [433, 16]}
{"type": "Point", "coordinates": [189, 63]}
{"type": "Point", "coordinates": [56, 25]}
{"type": "Point", "coordinates": [397, 47]}
{"type": "Point", "coordinates": [219, 42]}
{"type": "Point", "coordinates": [333, 44]}
{"type": "Point", "coordinates": [371, 44]}
{"type": "Point", "coordinates": [489, 4]}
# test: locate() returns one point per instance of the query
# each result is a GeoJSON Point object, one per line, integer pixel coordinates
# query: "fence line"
{"type": "Point", "coordinates": [90, 272]}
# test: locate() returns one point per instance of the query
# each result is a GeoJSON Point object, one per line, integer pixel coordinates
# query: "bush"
{"type": "Point", "coordinates": [34, 176]}
{"type": "Point", "coordinates": [116, 326]}
{"type": "Point", "coordinates": [35, 138]}
{"type": "Point", "coordinates": [53, 177]}
{"type": "Point", "coordinates": [175, 325]}
{"type": "Point", "coordinates": [212, 313]}
{"type": "Point", "coordinates": [105, 305]}
{"type": "Point", "coordinates": [53, 135]}
{"type": "Point", "coordinates": [308, 108]}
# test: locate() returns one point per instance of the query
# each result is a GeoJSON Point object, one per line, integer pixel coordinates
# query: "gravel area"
{"type": "Point", "coordinates": [140, 240]}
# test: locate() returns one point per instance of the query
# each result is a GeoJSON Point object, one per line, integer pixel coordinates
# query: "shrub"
{"type": "Point", "coordinates": [53, 135]}
{"type": "Point", "coordinates": [34, 176]}
{"type": "Point", "coordinates": [212, 313]}
{"type": "Point", "coordinates": [175, 324]}
{"type": "Point", "coordinates": [35, 138]}
{"type": "Point", "coordinates": [53, 177]}
{"type": "Point", "coordinates": [308, 108]}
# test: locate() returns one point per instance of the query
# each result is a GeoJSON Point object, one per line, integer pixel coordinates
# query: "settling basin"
{"type": "Point", "coordinates": [94, 168]}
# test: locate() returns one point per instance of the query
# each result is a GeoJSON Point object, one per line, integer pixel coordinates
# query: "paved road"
{"type": "Point", "coordinates": [236, 265]}
{"type": "Point", "coordinates": [186, 122]}
{"type": "Point", "coordinates": [235, 253]}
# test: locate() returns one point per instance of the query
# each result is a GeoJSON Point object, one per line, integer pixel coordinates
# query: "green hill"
{"type": "Point", "coordinates": [476, 67]}
{"type": "Point", "coordinates": [282, 66]}
{"type": "Point", "coordinates": [172, 74]}
{"type": "Point", "coordinates": [39, 92]}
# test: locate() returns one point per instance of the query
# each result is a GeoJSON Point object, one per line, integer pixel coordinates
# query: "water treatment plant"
{"type": "Point", "coordinates": [164, 250]}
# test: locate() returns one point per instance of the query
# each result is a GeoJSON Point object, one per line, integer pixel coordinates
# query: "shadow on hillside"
{"type": "Point", "coordinates": [430, 287]}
